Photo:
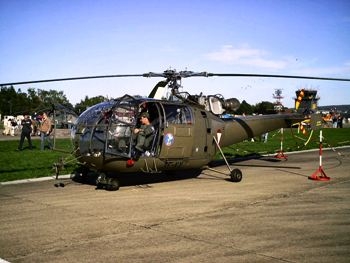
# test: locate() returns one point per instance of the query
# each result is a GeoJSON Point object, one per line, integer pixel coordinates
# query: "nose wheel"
{"type": "Point", "coordinates": [108, 183]}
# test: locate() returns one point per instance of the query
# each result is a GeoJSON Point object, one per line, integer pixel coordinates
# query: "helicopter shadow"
{"type": "Point", "coordinates": [237, 159]}
{"type": "Point", "coordinates": [141, 180]}
{"type": "Point", "coordinates": [266, 161]}
{"type": "Point", "coordinates": [145, 180]}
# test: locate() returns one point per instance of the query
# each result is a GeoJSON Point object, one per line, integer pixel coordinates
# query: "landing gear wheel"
{"type": "Point", "coordinates": [113, 184]}
{"type": "Point", "coordinates": [60, 185]}
{"type": "Point", "coordinates": [236, 175]}
{"type": "Point", "coordinates": [101, 181]}
{"type": "Point", "coordinates": [108, 183]}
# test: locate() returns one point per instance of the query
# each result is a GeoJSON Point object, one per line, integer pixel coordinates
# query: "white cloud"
{"type": "Point", "coordinates": [261, 60]}
{"type": "Point", "coordinates": [246, 56]}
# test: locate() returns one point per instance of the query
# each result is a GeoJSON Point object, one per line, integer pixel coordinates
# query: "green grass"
{"type": "Point", "coordinates": [292, 141]}
{"type": "Point", "coordinates": [31, 163]}
{"type": "Point", "coordinates": [35, 163]}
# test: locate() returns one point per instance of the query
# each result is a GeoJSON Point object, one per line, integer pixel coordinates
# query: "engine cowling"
{"type": "Point", "coordinates": [231, 104]}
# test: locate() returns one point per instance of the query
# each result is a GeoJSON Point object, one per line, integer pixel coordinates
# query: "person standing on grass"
{"type": "Point", "coordinates": [45, 130]}
{"type": "Point", "coordinates": [26, 124]}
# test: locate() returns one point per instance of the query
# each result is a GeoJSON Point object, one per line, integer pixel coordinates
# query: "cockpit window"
{"type": "Point", "coordinates": [107, 128]}
{"type": "Point", "coordinates": [122, 121]}
{"type": "Point", "coordinates": [106, 123]}
{"type": "Point", "coordinates": [176, 114]}
{"type": "Point", "coordinates": [93, 114]}
{"type": "Point", "coordinates": [92, 125]}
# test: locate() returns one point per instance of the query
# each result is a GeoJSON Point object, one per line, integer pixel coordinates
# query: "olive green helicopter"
{"type": "Point", "coordinates": [187, 130]}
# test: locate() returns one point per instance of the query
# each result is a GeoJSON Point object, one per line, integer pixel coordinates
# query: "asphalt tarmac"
{"type": "Point", "coordinates": [275, 214]}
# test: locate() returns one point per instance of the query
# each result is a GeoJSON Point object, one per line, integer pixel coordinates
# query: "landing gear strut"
{"type": "Point", "coordinates": [235, 174]}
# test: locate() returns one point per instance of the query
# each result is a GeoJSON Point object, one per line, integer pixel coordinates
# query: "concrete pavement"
{"type": "Point", "coordinates": [275, 214]}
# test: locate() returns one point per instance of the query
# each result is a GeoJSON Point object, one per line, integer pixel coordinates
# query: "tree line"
{"type": "Point", "coordinates": [14, 102]}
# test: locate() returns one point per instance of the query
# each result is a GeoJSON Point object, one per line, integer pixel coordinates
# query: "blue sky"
{"type": "Point", "coordinates": [43, 39]}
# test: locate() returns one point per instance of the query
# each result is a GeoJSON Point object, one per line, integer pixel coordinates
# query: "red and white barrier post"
{"type": "Point", "coordinates": [280, 154]}
{"type": "Point", "coordinates": [319, 174]}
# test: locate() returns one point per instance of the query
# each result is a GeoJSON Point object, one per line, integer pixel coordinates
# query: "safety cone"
{"type": "Point", "coordinates": [319, 174]}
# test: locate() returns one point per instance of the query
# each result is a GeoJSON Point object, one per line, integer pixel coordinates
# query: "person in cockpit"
{"type": "Point", "coordinates": [144, 134]}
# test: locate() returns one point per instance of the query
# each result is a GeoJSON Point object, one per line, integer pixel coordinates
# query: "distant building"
{"type": "Point", "coordinates": [306, 100]}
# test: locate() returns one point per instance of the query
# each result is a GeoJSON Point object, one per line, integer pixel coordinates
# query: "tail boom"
{"type": "Point", "coordinates": [241, 128]}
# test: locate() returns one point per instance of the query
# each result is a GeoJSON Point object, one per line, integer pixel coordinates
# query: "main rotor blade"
{"type": "Point", "coordinates": [273, 76]}
{"type": "Point", "coordinates": [173, 73]}
{"type": "Point", "coordinates": [67, 79]}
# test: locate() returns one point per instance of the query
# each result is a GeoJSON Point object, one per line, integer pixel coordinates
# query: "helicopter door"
{"type": "Point", "coordinates": [201, 132]}
{"type": "Point", "coordinates": [156, 110]}
{"type": "Point", "coordinates": [156, 113]}
{"type": "Point", "coordinates": [123, 120]}
{"type": "Point", "coordinates": [178, 131]}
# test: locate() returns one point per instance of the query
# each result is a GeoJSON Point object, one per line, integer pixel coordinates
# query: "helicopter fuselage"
{"type": "Point", "coordinates": [183, 139]}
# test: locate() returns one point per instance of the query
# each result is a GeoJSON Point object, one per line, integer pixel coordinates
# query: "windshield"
{"type": "Point", "coordinates": [121, 123]}
{"type": "Point", "coordinates": [106, 127]}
